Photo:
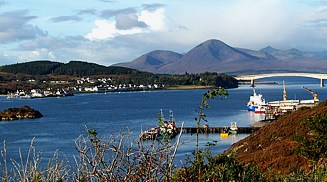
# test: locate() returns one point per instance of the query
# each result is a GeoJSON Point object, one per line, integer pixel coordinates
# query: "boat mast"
{"type": "Point", "coordinates": [161, 115]}
{"type": "Point", "coordinates": [171, 116]}
{"type": "Point", "coordinates": [284, 93]}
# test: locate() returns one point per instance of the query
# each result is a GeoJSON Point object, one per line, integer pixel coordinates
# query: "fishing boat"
{"type": "Point", "coordinates": [166, 130]}
{"type": "Point", "coordinates": [255, 101]}
{"type": "Point", "coordinates": [150, 134]}
{"type": "Point", "coordinates": [224, 135]}
{"type": "Point", "coordinates": [233, 128]}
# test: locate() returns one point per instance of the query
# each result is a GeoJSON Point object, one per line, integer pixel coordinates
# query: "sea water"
{"type": "Point", "coordinates": [66, 118]}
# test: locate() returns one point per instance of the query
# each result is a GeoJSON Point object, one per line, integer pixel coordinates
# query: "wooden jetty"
{"type": "Point", "coordinates": [241, 130]}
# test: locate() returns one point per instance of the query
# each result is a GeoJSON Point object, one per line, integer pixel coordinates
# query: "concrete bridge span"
{"type": "Point", "coordinates": [251, 78]}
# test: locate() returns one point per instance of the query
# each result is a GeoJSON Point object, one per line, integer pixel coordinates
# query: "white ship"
{"type": "Point", "coordinates": [256, 100]}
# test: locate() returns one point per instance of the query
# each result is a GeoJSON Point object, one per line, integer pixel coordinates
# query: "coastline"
{"type": "Point", "coordinates": [188, 87]}
{"type": "Point", "coordinates": [177, 87]}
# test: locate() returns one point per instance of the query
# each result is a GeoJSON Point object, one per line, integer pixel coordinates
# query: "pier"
{"type": "Point", "coordinates": [155, 134]}
{"type": "Point", "coordinates": [241, 130]}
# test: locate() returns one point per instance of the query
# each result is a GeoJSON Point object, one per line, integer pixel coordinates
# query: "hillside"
{"type": "Point", "coordinates": [153, 61]}
{"type": "Point", "coordinates": [40, 74]}
{"type": "Point", "coordinates": [272, 147]}
{"type": "Point", "coordinates": [80, 68]}
{"type": "Point", "coordinates": [216, 56]}
{"type": "Point", "coordinates": [73, 68]}
{"type": "Point", "coordinates": [32, 68]}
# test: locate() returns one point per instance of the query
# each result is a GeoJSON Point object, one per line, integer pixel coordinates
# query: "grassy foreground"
{"type": "Point", "coordinates": [121, 159]}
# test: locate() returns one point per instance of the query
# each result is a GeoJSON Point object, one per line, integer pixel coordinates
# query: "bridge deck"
{"type": "Point", "coordinates": [322, 77]}
{"type": "Point", "coordinates": [258, 76]}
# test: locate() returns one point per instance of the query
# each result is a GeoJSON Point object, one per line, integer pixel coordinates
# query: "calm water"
{"type": "Point", "coordinates": [64, 118]}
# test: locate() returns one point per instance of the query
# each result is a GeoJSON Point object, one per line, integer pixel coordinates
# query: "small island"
{"type": "Point", "coordinates": [19, 113]}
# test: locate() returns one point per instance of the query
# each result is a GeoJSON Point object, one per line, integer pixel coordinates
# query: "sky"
{"type": "Point", "coordinates": [114, 31]}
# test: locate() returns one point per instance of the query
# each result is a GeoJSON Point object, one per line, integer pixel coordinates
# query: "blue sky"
{"type": "Point", "coordinates": [111, 31]}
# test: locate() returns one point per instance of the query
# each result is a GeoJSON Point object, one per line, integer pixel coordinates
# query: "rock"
{"type": "Point", "coordinates": [19, 113]}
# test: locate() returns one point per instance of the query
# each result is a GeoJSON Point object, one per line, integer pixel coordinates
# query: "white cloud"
{"type": "Point", "coordinates": [154, 19]}
{"type": "Point", "coordinates": [128, 21]}
{"type": "Point", "coordinates": [103, 30]}
{"type": "Point", "coordinates": [106, 29]}
{"type": "Point", "coordinates": [38, 54]}
{"type": "Point", "coordinates": [106, 52]}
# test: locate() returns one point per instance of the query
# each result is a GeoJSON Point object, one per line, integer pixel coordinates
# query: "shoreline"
{"type": "Point", "coordinates": [188, 87]}
{"type": "Point", "coordinates": [170, 88]}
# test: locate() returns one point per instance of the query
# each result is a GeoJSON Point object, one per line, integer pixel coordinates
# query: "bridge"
{"type": "Point", "coordinates": [322, 77]}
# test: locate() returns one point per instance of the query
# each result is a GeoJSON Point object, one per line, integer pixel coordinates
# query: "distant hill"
{"type": "Point", "coordinates": [32, 68]}
{"type": "Point", "coordinates": [216, 56]}
{"type": "Point", "coordinates": [73, 68]}
{"type": "Point", "coordinates": [46, 70]}
{"type": "Point", "coordinates": [285, 54]}
{"type": "Point", "coordinates": [153, 61]}
{"type": "Point", "coordinates": [211, 56]}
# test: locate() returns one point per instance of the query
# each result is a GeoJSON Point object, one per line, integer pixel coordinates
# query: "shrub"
{"type": "Point", "coordinates": [313, 145]}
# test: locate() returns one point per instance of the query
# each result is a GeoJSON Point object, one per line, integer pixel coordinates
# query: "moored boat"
{"type": "Point", "coordinates": [224, 135]}
{"type": "Point", "coordinates": [260, 110]}
{"type": "Point", "coordinates": [233, 128]}
{"type": "Point", "coordinates": [165, 130]}
{"type": "Point", "coordinates": [255, 101]}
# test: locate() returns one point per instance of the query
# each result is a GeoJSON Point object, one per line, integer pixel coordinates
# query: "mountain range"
{"type": "Point", "coordinates": [216, 56]}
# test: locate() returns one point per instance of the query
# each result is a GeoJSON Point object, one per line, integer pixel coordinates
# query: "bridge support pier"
{"type": "Point", "coordinates": [322, 82]}
{"type": "Point", "coordinates": [252, 83]}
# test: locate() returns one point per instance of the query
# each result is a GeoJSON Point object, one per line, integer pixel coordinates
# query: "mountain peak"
{"type": "Point", "coordinates": [211, 50]}
{"type": "Point", "coordinates": [153, 60]}
{"type": "Point", "coordinates": [213, 43]}
{"type": "Point", "coordinates": [216, 56]}
{"type": "Point", "coordinates": [269, 50]}
{"type": "Point", "coordinates": [295, 51]}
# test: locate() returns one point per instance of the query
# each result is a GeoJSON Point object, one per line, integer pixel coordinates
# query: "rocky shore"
{"type": "Point", "coordinates": [19, 113]}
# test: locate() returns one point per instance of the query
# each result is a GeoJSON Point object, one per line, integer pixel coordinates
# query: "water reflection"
{"type": "Point", "coordinates": [254, 117]}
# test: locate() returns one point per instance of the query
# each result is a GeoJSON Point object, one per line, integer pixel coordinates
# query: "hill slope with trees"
{"type": "Point", "coordinates": [73, 68]}
{"type": "Point", "coordinates": [32, 68]}
{"type": "Point", "coordinates": [35, 75]}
